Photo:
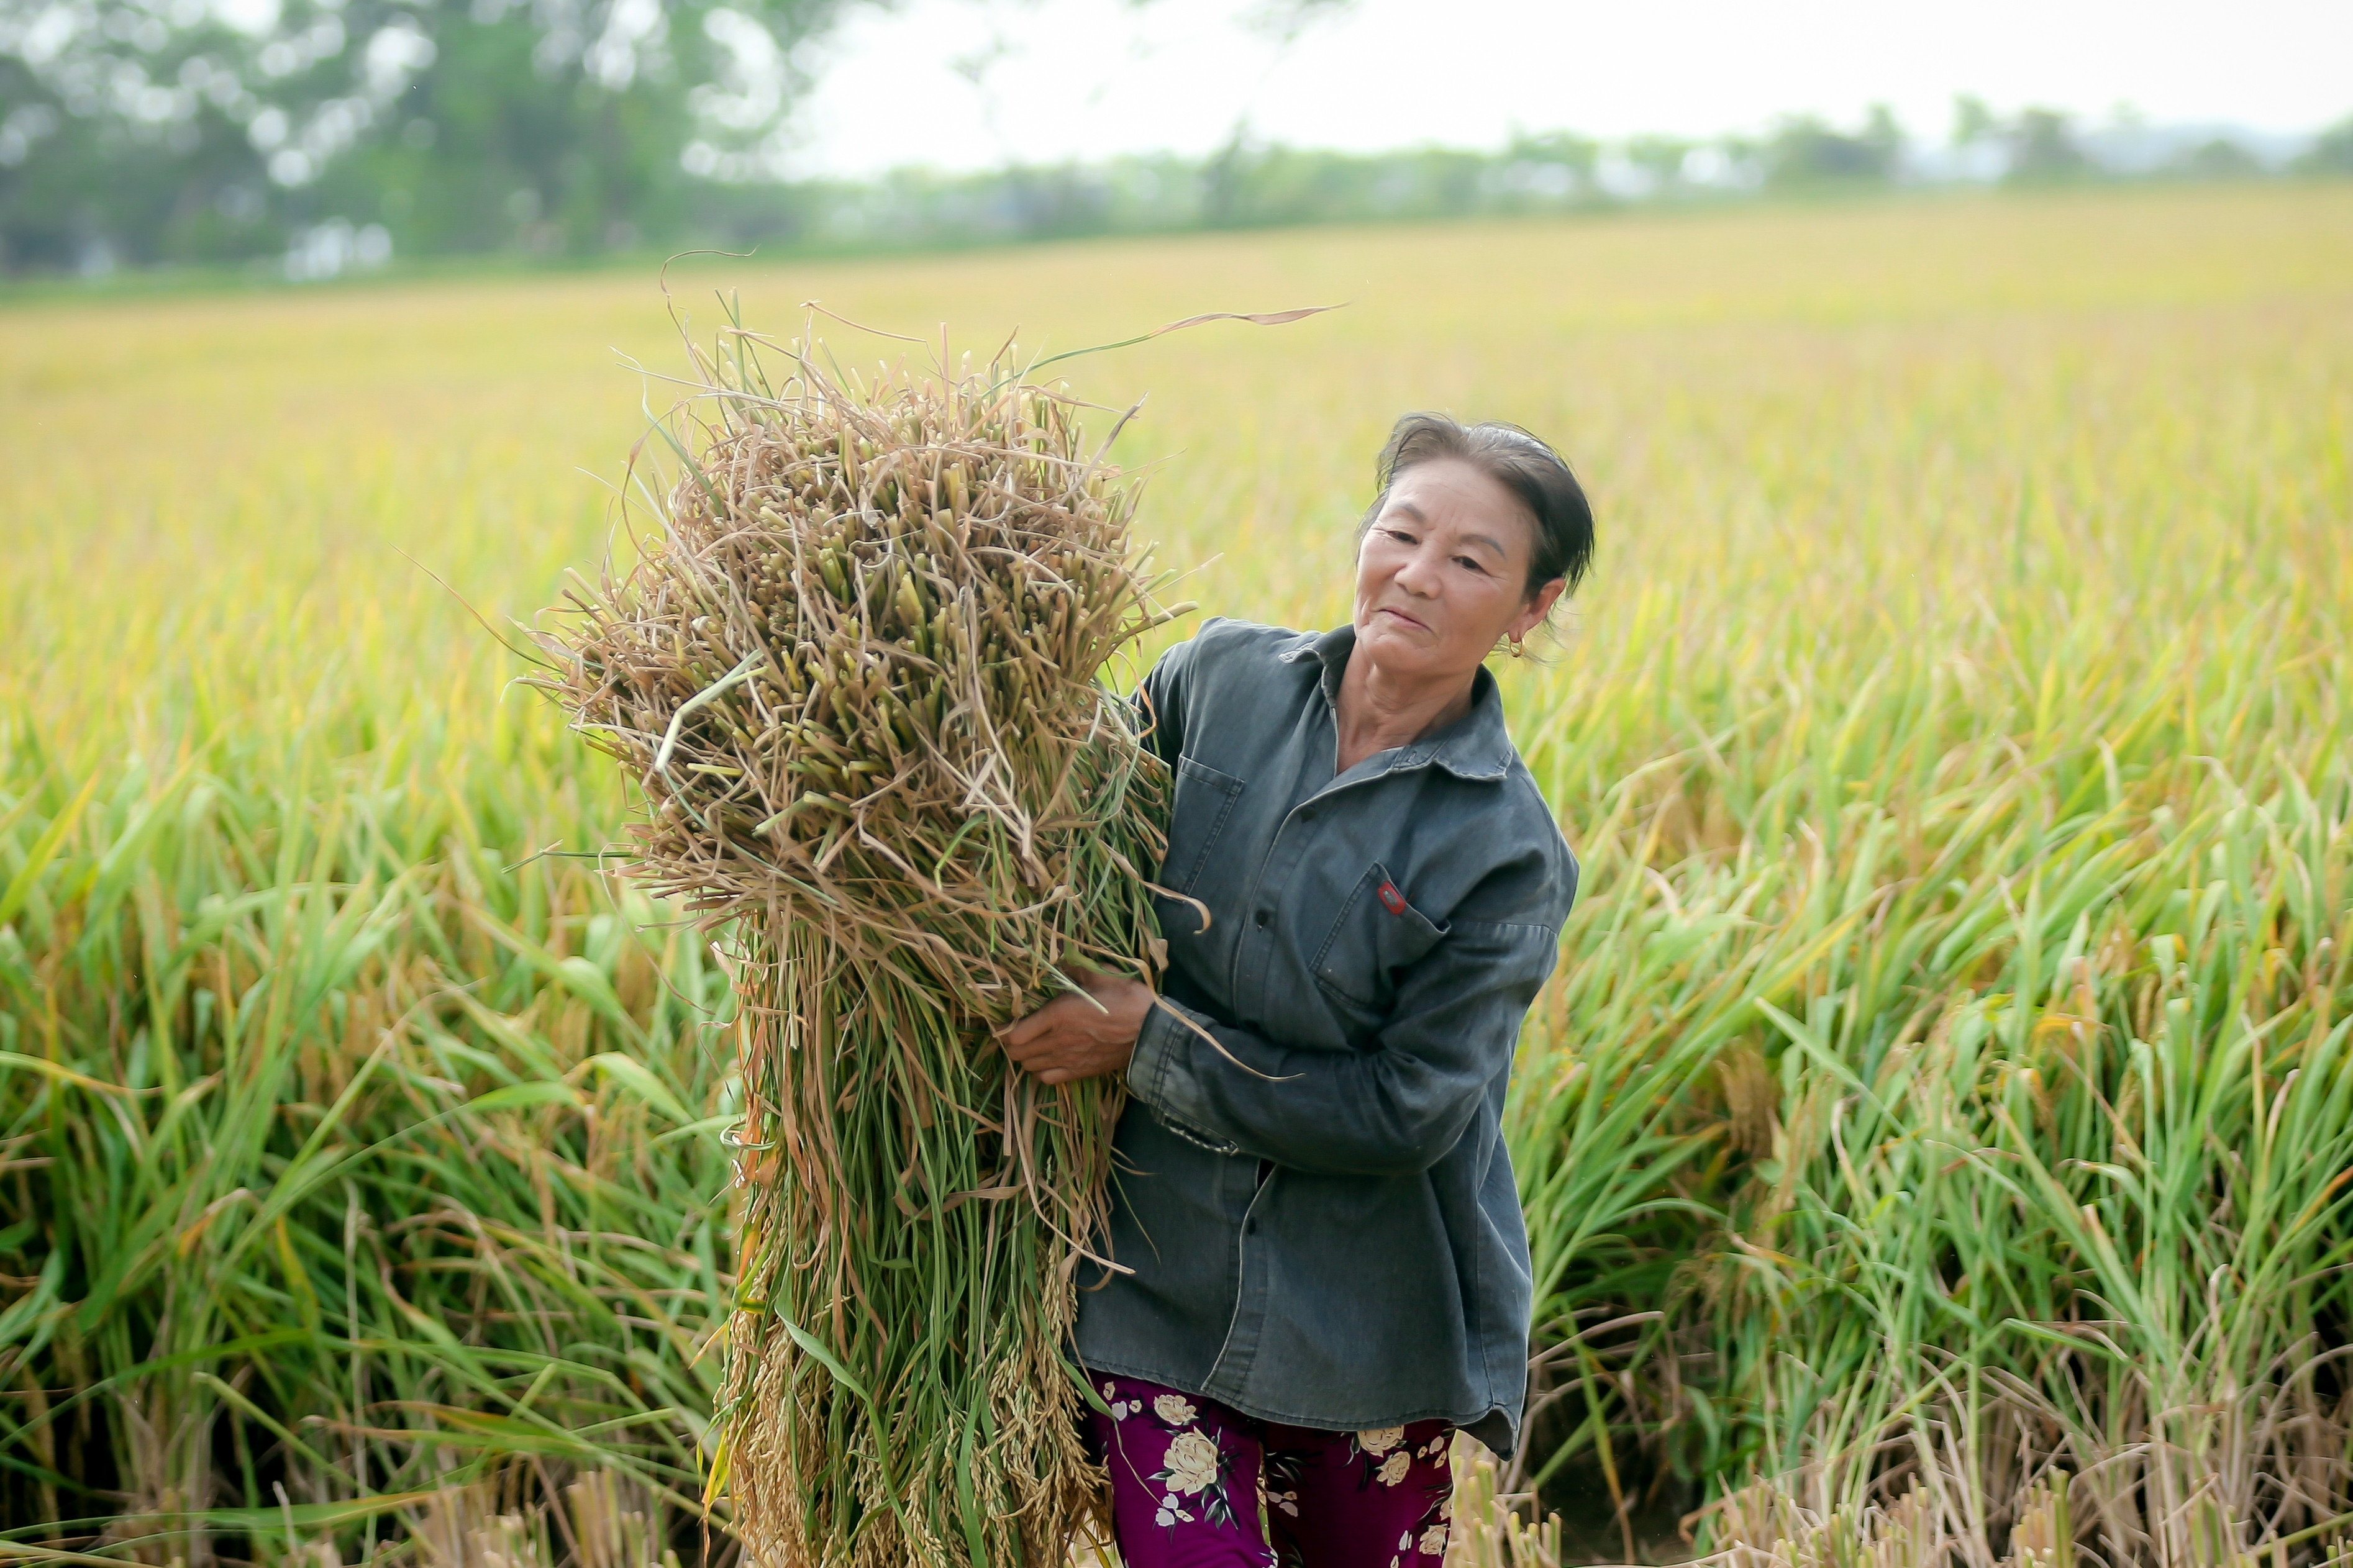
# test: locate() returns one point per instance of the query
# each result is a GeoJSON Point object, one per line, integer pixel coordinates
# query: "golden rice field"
{"type": "Point", "coordinates": [1937, 1145]}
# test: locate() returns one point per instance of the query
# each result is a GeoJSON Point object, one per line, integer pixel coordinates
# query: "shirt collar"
{"type": "Point", "coordinates": [1476, 746]}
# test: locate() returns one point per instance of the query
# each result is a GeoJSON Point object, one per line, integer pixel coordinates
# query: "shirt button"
{"type": "Point", "coordinates": [1263, 917]}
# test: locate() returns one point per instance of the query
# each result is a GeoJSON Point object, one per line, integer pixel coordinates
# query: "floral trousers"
{"type": "Point", "coordinates": [1195, 1485]}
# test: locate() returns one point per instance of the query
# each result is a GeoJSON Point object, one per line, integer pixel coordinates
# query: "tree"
{"type": "Point", "coordinates": [2331, 153]}
{"type": "Point", "coordinates": [1661, 159]}
{"type": "Point", "coordinates": [1548, 169]}
{"type": "Point", "coordinates": [2218, 158]}
{"type": "Point", "coordinates": [1226, 195]}
{"type": "Point", "coordinates": [2043, 149]}
{"type": "Point", "coordinates": [1972, 121]}
{"type": "Point", "coordinates": [1284, 20]}
{"type": "Point", "coordinates": [182, 130]}
{"type": "Point", "coordinates": [1804, 152]}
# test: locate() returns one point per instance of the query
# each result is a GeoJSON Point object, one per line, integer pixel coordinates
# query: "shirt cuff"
{"type": "Point", "coordinates": [1160, 1074]}
{"type": "Point", "coordinates": [1157, 1044]}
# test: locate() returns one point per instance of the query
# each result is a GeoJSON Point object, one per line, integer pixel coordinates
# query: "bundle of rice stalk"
{"type": "Point", "coordinates": [856, 674]}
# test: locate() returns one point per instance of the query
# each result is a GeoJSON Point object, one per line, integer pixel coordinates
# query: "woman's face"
{"type": "Point", "coordinates": [1442, 573]}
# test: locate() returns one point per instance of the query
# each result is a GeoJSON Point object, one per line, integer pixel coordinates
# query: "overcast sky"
{"type": "Point", "coordinates": [1063, 79]}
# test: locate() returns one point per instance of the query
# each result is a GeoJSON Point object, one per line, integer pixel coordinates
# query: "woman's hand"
{"type": "Point", "coordinates": [1073, 1037]}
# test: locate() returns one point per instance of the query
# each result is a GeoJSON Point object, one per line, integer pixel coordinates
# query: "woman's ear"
{"type": "Point", "coordinates": [1538, 606]}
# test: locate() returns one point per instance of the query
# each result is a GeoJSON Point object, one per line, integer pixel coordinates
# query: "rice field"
{"type": "Point", "coordinates": [1936, 1144]}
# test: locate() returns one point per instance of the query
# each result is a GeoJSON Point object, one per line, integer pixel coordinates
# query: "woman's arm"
{"type": "Point", "coordinates": [1394, 1109]}
{"type": "Point", "coordinates": [1390, 1110]}
{"type": "Point", "coordinates": [1074, 1038]}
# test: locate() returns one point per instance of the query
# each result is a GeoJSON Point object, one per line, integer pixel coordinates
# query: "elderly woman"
{"type": "Point", "coordinates": [1325, 1273]}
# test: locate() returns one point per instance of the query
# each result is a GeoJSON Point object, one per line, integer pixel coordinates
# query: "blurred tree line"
{"type": "Point", "coordinates": [1249, 186]}
{"type": "Point", "coordinates": [323, 135]}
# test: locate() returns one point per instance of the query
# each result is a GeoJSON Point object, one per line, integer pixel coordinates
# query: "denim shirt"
{"type": "Point", "coordinates": [1312, 1190]}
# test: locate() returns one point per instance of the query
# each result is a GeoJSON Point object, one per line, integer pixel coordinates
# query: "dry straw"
{"type": "Point", "coordinates": [856, 674]}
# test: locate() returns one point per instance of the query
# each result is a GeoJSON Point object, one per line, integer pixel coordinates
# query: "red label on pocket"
{"type": "Point", "coordinates": [1391, 900]}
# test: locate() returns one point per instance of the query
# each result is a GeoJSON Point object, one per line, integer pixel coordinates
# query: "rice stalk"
{"type": "Point", "coordinates": [336, 1185]}
{"type": "Point", "coordinates": [856, 679]}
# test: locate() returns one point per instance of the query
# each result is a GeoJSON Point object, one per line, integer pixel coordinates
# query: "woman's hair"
{"type": "Point", "coordinates": [1521, 464]}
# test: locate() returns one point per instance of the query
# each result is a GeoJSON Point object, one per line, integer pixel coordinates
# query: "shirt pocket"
{"type": "Point", "coordinates": [1376, 938]}
{"type": "Point", "coordinates": [1205, 802]}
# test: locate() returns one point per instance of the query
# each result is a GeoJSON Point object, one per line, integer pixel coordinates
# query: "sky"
{"type": "Point", "coordinates": [969, 84]}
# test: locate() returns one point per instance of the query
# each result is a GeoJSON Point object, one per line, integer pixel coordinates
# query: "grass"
{"type": "Point", "coordinates": [1943, 1087]}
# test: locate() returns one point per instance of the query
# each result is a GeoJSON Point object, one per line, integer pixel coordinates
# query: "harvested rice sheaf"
{"type": "Point", "coordinates": [856, 672]}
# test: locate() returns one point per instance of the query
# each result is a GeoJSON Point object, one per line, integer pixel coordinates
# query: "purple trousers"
{"type": "Point", "coordinates": [1195, 1485]}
